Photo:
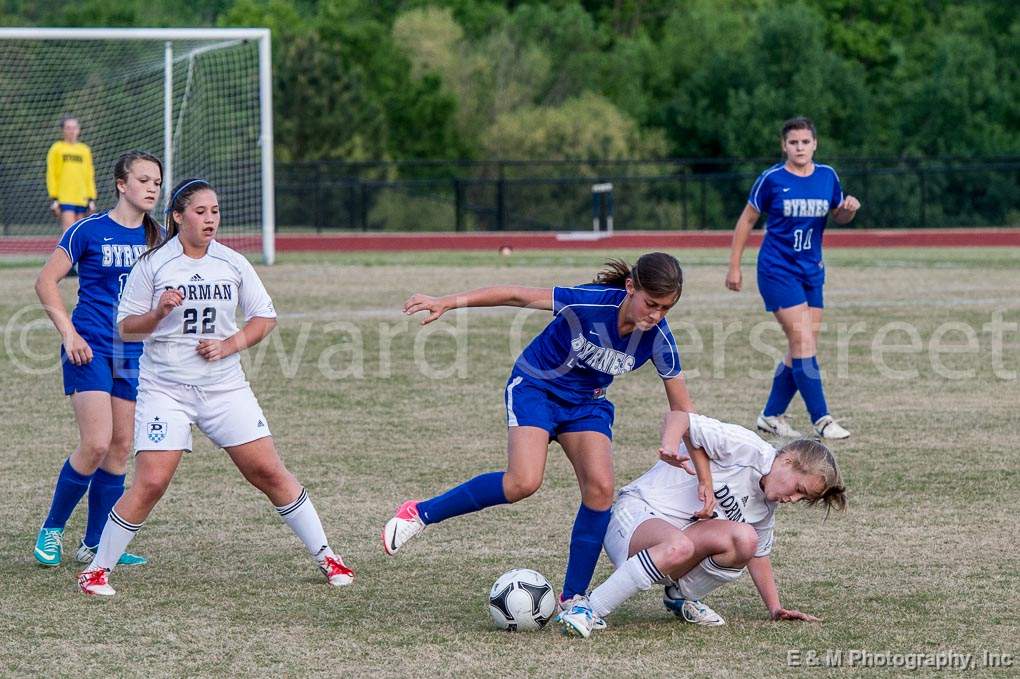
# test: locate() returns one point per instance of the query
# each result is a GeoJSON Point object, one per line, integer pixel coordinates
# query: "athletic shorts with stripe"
{"type": "Point", "coordinates": [528, 404]}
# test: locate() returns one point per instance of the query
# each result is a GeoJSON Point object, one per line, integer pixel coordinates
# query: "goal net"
{"type": "Point", "coordinates": [196, 98]}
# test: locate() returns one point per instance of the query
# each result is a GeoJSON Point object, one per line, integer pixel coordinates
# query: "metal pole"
{"type": "Point", "coordinates": [458, 204]}
{"type": "Point", "coordinates": [168, 121]}
{"type": "Point", "coordinates": [266, 141]}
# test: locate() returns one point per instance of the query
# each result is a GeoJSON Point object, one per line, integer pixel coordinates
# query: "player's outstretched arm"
{"type": "Point", "coordinates": [137, 327]}
{"type": "Point", "coordinates": [503, 295]}
{"type": "Point", "coordinates": [734, 278]}
{"type": "Point", "coordinates": [253, 332]}
{"type": "Point", "coordinates": [760, 568]}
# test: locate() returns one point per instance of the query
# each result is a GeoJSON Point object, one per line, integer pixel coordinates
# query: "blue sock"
{"type": "Point", "coordinates": [480, 492]}
{"type": "Point", "coordinates": [585, 547]}
{"type": "Point", "coordinates": [105, 490]}
{"type": "Point", "coordinates": [809, 384]}
{"type": "Point", "coordinates": [784, 387]}
{"type": "Point", "coordinates": [71, 486]}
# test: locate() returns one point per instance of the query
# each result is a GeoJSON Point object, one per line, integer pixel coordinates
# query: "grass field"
{"type": "Point", "coordinates": [368, 412]}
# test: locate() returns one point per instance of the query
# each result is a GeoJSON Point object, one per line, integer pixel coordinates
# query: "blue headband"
{"type": "Point", "coordinates": [175, 194]}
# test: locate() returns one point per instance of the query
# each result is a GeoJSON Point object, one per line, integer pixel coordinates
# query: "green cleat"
{"type": "Point", "coordinates": [49, 546]}
{"type": "Point", "coordinates": [85, 554]}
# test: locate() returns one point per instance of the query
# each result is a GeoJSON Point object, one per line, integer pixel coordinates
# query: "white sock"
{"type": "Point", "coordinates": [117, 534]}
{"type": "Point", "coordinates": [705, 577]}
{"type": "Point", "coordinates": [637, 574]}
{"type": "Point", "coordinates": [302, 518]}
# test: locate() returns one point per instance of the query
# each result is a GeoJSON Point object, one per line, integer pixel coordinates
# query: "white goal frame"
{"type": "Point", "coordinates": [261, 35]}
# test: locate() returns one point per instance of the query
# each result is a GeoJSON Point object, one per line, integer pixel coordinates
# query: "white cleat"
{"type": "Point", "coordinates": [577, 619]}
{"type": "Point", "coordinates": [95, 581]}
{"type": "Point", "coordinates": [777, 425]}
{"type": "Point", "coordinates": [404, 525]}
{"type": "Point", "coordinates": [336, 571]}
{"type": "Point", "coordinates": [828, 428]}
{"type": "Point", "coordinates": [690, 610]}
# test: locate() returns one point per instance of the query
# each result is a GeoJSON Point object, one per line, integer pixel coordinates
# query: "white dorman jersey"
{"type": "Point", "coordinates": [739, 458]}
{"type": "Point", "coordinates": [213, 287]}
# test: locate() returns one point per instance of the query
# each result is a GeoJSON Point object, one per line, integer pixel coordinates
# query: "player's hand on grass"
{"type": "Point", "coordinates": [707, 497]}
{"type": "Point", "coordinates": [791, 614]}
{"type": "Point", "coordinates": [77, 349]}
{"type": "Point", "coordinates": [419, 302]}
{"type": "Point", "coordinates": [734, 279]}
{"type": "Point", "coordinates": [170, 298]}
{"type": "Point", "coordinates": [214, 350]}
{"type": "Point", "coordinates": [677, 459]}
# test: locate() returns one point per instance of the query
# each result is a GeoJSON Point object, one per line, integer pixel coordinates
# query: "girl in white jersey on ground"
{"type": "Point", "coordinates": [181, 298]}
{"type": "Point", "coordinates": [654, 538]}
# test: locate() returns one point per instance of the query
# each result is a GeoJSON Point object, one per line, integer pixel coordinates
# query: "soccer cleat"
{"type": "Point", "coordinates": [562, 604]}
{"type": "Point", "coordinates": [404, 525]}
{"type": "Point", "coordinates": [828, 428]}
{"type": "Point", "coordinates": [49, 546]}
{"type": "Point", "coordinates": [336, 572]}
{"type": "Point", "coordinates": [577, 618]}
{"type": "Point", "coordinates": [94, 581]}
{"type": "Point", "coordinates": [690, 610]}
{"type": "Point", "coordinates": [777, 425]}
{"type": "Point", "coordinates": [85, 554]}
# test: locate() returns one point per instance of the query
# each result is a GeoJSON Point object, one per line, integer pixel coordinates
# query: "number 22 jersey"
{"type": "Point", "coordinates": [214, 287]}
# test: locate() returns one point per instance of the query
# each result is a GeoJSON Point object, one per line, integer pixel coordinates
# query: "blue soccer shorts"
{"type": "Point", "coordinates": [529, 404]}
{"type": "Point", "coordinates": [116, 376]}
{"type": "Point", "coordinates": [783, 293]}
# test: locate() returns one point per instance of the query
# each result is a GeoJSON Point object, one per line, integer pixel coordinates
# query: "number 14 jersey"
{"type": "Point", "coordinates": [214, 287]}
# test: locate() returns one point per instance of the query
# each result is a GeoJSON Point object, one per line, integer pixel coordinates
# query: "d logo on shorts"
{"type": "Point", "coordinates": [157, 430]}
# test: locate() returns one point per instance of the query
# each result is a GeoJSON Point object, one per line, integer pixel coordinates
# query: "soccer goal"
{"type": "Point", "coordinates": [200, 99]}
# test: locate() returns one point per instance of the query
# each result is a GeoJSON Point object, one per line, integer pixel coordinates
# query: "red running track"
{"type": "Point", "coordinates": [518, 240]}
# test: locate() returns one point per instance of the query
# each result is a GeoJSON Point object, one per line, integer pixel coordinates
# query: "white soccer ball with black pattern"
{"type": "Point", "coordinates": [521, 600]}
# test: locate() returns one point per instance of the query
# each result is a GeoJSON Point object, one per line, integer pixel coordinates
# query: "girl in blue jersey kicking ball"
{"type": "Point", "coordinates": [100, 371]}
{"type": "Point", "coordinates": [797, 197]}
{"type": "Point", "coordinates": [557, 391]}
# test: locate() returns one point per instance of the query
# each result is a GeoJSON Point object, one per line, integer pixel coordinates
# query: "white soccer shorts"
{"type": "Point", "coordinates": [629, 512]}
{"type": "Point", "coordinates": [164, 414]}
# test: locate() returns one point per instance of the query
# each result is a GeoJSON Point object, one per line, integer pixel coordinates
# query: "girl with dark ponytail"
{"type": "Point", "coordinates": [100, 370]}
{"type": "Point", "coordinates": [183, 298]}
{"type": "Point", "coordinates": [557, 390]}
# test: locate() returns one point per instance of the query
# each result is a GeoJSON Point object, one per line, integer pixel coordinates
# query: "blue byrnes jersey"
{"type": "Point", "coordinates": [795, 210]}
{"type": "Point", "coordinates": [579, 353]}
{"type": "Point", "coordinates": [104, 252]}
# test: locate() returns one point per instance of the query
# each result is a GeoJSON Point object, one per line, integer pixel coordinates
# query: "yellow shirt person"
{"type": "Point", "coordinates": [70, 177]}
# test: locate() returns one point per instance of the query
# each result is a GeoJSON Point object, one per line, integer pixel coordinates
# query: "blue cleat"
{"type": "Point", "coordinates": [49, 546]}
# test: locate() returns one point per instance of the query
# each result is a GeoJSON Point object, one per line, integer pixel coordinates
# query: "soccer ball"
{"type": "Point", "coordinates": [521, 600]}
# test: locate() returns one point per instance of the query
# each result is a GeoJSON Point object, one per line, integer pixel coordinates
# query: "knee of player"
{"type": "Point", "coordinates": [271, 476]}
{"type": "Point", "coordinates": [149, 488]}
{"type": "Point", "coordinates": [598, 495]}
{"type": "Point", "coordinates": [120, 451]}
{"type": "Point", "coordinates": [745, 542]}
{"type": "Point", "coordinates": [94, 451]}
{"type": "Point", "coordinates": [676, 550]}
{"type": "Point", "coordinates": [518, 487]}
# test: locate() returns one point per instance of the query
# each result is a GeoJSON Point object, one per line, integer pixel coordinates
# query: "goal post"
{"type": "Point", "coordinates": [199, 98]}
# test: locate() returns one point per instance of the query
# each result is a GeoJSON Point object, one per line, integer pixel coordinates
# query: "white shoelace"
{"type": "Point", "coordinates": [52, 540]}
